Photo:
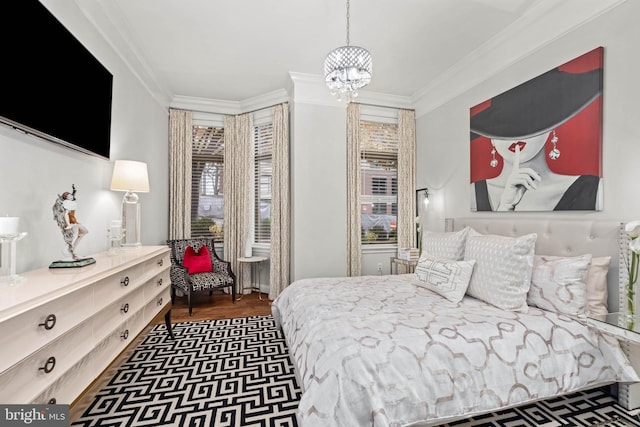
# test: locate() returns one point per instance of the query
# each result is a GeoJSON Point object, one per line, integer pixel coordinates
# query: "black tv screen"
{"type": "Point", "coordinates": [52, 86]}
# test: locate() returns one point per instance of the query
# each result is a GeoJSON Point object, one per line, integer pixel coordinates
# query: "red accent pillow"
{"type": "Point", "coordinates": [197, 262]}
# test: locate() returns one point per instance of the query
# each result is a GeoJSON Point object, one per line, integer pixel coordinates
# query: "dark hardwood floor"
{"type": "Point", "coordinates": [219, 306]}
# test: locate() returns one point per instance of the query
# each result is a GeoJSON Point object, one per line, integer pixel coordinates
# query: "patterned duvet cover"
{"type": "Point", "coordinates": [379, 351]}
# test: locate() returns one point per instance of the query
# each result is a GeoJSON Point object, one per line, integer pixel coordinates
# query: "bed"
{"type": "Point", "coordinates": [401, 351]}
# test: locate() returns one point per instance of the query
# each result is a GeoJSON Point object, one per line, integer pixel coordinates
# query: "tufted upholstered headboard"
{"type": "Point", "coordinates": [561, 237]}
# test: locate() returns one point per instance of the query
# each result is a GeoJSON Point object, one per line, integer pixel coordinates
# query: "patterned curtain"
{"type": "Point", "coordinates": [406, 179]}
{"type": "Point", "coordinates": [354, 247]}
{"type": "Point", "coordinates": [280, 208]}
{"type": "Point", "coordinates": [180, 128]}
{"type": "Point", "coordinates": [238, 190]}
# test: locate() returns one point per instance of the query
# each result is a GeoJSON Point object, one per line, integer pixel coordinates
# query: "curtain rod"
{"type": "Point", "coordinates": [384, 106]}
{"type": "Point", "coordinates": [224, 114]}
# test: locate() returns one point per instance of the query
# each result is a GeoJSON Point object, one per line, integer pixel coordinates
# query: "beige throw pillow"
{"type": "Point", "coordinates": [597, 292]}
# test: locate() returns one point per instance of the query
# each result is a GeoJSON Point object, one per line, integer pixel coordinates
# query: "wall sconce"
{"type": "Point", "coordinates": [422, 201]}
{"type": "Point", "coordinates": [130, 176]}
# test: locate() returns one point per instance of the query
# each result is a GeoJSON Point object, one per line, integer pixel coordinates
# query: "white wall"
{"type": "Point", "coordinates": [318, 191]}
{"type": "Point", "coordinates": [443, 132]}
{"type": "Point", "coordinates": [33, 171]}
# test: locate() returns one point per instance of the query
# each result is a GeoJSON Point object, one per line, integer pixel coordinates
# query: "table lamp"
{"type": "Point", "coordinates": [130, 176]}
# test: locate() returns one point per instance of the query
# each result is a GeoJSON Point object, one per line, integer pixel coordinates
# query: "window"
{"type": "Point", "coordinates": [263, 146]}
{"type": "Point", "coordinates": [207, 189]}
{"type": "Point", "coordinates": [378, 185]}
{"type": "Point", "coordinates": [378, 168]}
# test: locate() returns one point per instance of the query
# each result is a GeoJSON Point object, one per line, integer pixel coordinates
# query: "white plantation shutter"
{"type": "Point", "coordinates": [379, 181]}
{"type": "Point", "coordinates": [207, 189]}
{"type": "Point", "coordinates": [263, 173]}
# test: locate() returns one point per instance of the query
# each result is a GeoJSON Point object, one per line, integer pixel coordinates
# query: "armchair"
{"type": "Point", "coordinates": [200, 253]}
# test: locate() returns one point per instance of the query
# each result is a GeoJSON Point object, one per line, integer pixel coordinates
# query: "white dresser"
{"type": "Point", "coordinates": [61, 328]}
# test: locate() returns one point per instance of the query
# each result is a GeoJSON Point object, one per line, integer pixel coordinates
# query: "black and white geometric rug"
{"type": "Point", "coordinates": [236, 372]}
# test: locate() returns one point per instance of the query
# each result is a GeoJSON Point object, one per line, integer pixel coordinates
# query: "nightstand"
{"type": "Point", "coordinates": [409, 265]}
{"type": "Point", "coordinates": [628, 333]}
{"type": "Point", "coordinates": [255, 263]}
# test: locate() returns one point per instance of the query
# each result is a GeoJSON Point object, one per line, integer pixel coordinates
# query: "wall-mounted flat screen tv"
{"type": "Point", "coordinates": [52, 86]}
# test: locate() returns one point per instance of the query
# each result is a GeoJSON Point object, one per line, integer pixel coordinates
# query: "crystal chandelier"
{"type": "Point", "coordinates": [347, 69]}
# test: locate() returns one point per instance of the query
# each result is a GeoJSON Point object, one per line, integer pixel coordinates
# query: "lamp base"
{"type": "Point", "coordinates": [130, 220]}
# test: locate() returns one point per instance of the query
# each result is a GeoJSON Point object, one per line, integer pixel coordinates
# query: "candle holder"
{"type": "Point", "coordinates": [8, 257]}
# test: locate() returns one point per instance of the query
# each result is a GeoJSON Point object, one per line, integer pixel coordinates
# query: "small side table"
{"type": "Point", "coordinates": [255, 263]}
{"type": "Point", "coordinates": [627, 331]}
{"type": "Point", "coordinates": [410, 265]}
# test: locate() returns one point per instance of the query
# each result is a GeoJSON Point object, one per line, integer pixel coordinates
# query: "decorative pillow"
{"type": "Point", "coordinates": [597, 292]}
{"type": "Point", "coordinates": [445, 277]}
{"type": "Point", "coordinates": [559, 284]}
{"type": "Point", "coordinates": [448, 245]}
{"type": "Point", "coordinates": [197, 262]}
{"type": "Point", "coordinates": [504, 264]}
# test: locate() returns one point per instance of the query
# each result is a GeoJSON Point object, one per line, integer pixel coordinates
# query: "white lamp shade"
{"type": "Point", "coordinates": [130, 175]}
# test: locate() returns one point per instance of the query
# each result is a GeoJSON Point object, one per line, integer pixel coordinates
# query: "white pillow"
{"type": "Point", "coordinates": [448, 245]}
{"type": "Point", "coordinates": [444, 277]}
{"type": "Point", "coordinates": [597, 292]}
{"type": "Point", "coordinates": [503, 269]}
{"type": "Point", "coordinates": [559, 284]}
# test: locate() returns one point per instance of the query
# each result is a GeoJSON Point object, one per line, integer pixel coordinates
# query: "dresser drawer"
{"type": "Point", "coordinates": [156, 304]}
{"type": "Point", "coordinates": [156, 285]}
{"type": "Point", "coordinates": [31, 330]}
{"type": "Point", "coordinates": [70, 385]}
{"type": "Point", "coordinates": [114, 287]}
{"type": "Point", "coordinates": [123, 335]}
{"type": "Point", "coordinates": [117, 312]}
{"type": "Point", "coordinates": [27, 379]}
{"type": "Point", "coordinates": [157, 264]}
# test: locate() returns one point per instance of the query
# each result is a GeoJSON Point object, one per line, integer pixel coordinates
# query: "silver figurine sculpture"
{"type": "Point", "coordinates": [64, 213]}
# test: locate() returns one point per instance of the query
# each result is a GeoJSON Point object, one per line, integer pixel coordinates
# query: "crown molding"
{"type": "Point", "coordinates": [219, 106]}
{"type": "Point", "coordinates": [311, 89]}
{"type": "Point", "coordinates": [509, 47]}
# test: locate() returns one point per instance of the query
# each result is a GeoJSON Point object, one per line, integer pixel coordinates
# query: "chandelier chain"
{"type": "Point", "coordinates": [348, 16]}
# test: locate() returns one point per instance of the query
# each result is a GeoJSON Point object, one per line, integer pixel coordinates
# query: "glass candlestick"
{"type": "Point", "coordinates": [8, 257]}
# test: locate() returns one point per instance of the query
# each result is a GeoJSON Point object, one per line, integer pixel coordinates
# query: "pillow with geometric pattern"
{"type": "Point", "coordinates": [445, 277]}
{"type": "Point", "coordinates": [559, 284]}
{"type": "Point", "coordinates": [502, 276]}
{"type": "Point", "coordinates": [449, 245]}
{"type": "Point", "coordinates": [197, 262]}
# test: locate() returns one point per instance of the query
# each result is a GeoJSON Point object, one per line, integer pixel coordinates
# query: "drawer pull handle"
{"type": "Point", "coordinates": [49, 322]}
{"type": "Point", "coordinates": [49, 365]}
{"type": "Point", "coordinates": [160, 262]}
{"type": "Point", "coordinates": [125, 281]}
{"type": "Point", "coordinates": [125, 308]}
{"type": "Point", "coordinates": [52, 401]}
{"type": "Point", "coordinates": [159, 301]}
{"type": "Point", "coordinates": [160, 281]}
{"type": "Point", "coordinates": [125, 334]}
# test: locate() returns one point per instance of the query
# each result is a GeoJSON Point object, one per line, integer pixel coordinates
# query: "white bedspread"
{"type": "Point", "coordinates": [379, 351]}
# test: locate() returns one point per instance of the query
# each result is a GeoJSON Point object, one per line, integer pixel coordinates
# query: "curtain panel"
{"type": "Point", "coordinates": [354, 245]}
{"type": "Point", "coordinates": [238, 192]}
{"type": "Point", "coordinates": [180, 129]}
{"type": "Point", "coordinates": [280, 203]}
{"type": "Point", "coordinates": [406, 179]}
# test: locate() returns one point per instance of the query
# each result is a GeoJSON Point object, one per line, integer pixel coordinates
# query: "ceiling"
{"type": "Point", "coordinates": [237, 49]}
